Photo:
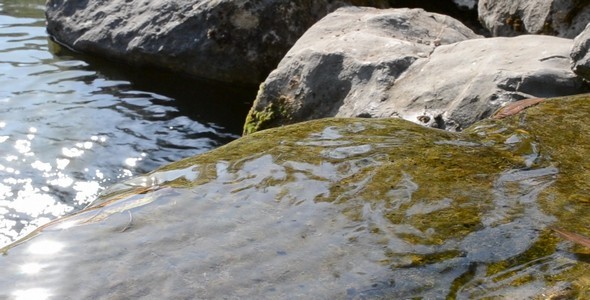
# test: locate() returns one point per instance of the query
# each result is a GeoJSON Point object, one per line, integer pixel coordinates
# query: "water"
{"type": "Point", "coordinates": [70, 125]}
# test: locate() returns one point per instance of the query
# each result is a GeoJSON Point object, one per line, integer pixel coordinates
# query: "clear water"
{"type": "Point", "coordinates": [70, 125]}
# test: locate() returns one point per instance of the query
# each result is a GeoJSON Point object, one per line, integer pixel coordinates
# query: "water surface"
{"type": "Point", "coordinates": [71, 125]}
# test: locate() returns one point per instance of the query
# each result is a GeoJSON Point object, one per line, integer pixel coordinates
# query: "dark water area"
{"type": "Point", "coordinates": [72, 125]}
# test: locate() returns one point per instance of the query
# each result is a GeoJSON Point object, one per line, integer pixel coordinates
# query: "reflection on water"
{"type": "Point", "coordinates": [70, 125]}
{"type": "Point", "coordinates": [38, 294]}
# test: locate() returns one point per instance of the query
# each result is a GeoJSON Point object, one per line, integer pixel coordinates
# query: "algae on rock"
{"type": "Point", "coordinates": [340, 208]}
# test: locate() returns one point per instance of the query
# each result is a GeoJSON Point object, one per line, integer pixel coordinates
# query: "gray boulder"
{"type": "Point", "coordinates": [372, 63]}
{"type": "Point", "coordinates": [564, 18]}
{"type": "Point", "coordinates": [462, 83]}
{"type": "Point", "coordinates": [231, 41]}
{"type": "Point", "coordinates": [348, 59]}
{"type": "Point", "coordinates": [580, 55]}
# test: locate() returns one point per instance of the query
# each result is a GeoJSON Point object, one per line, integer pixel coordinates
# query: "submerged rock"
{"type": "Point", "coordinates": [336, 208]}
{"type": "Point", "coordinates": [225, 40]}
{"type": "Point", "coordinates": [423, 67]}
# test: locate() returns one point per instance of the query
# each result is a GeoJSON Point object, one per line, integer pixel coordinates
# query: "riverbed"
{"type": "Point", "coordinates": [72, 125]}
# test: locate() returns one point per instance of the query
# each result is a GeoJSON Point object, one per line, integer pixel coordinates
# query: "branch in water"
{"type": "Point", "coordinates": [574, 237]}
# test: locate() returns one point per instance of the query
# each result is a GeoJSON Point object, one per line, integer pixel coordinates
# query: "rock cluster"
{"type": "Point", "coordinates": [349, 62]}
{"type": "Point", "coordinates": [423, 67]}
{"type": "Point", "coordinates": [339, 208]}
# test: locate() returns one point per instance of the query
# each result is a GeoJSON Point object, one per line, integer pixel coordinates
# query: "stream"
{"type": "Point", "coordinates": [72, 125]}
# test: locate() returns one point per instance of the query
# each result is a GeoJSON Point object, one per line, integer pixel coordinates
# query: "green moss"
{"type": "Point", "coordinates": [415, 194]}
{"type": "Point", "coordinates": [258, 120]}
{"type": "Point", "coordinates": [274, 114]}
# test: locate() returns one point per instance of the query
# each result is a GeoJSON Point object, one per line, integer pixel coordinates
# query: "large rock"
{"type": "Point", "coordinates": [462, 83]}
{"type": "Point", "coordinates": [225, 40]}
{"type": "Point", "coordinates": [580, 54]}
{"type": "Point", "coordinates": [564, 18]}
{"type": "Point", "coordinates": [336, 209]}
{"type": "Point", "coordinates": [349, 57]}
{"type": "Point", "coordinates": [372, 63]}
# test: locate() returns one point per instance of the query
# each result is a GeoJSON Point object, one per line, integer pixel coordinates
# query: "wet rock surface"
{"type": "Point", "coordinates": [337, 208]}
{"type": "Point", "coordinates": [408, 63]}
{"type": "Point", "coordinates": [563, 18]}
{"type": "Point", "coordinates": [231, 41]}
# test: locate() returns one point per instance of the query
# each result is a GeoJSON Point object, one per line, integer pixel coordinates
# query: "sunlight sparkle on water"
{"type": "Point", "coordinates": [37, 294]}
{"type": "Point", "coordinates": [12, 171]}
{"type": "Point", "coordinates": [23, 146]}
{"type": "Point", "coordinates": [86, 191]}
{"type": "Point", "coordinates": [45, 247]}
{"type": "Point", "coordinates": [85, 145]}
{"type": "Point", "coordinates": [132, 161]}
{"type": "Point", "coordinates": [62, 180]}
{"type": "Point", "coordinates": [72, 152]}
{"type": "Point", "coordinates": [31, 268]}
{"type": "Point", "coordinates": [5, 191]}
{"type": "Point", "coordinates": [34, 202]}
{"type": "Point", "coordinates": [101, 139]}
{"type": "Point", "coordinates": [62, 163]}
{"type": "Point", "coordinates": [41, 166]}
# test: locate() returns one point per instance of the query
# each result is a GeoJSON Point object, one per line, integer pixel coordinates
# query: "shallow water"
{"type": "Point", "coordinates": [71, 125]}
{"type": "Point", "coordinates": [329, 209]}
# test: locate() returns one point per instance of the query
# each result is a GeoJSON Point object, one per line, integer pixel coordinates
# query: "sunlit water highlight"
{"type": "Point", "coordinates": [70, 127]}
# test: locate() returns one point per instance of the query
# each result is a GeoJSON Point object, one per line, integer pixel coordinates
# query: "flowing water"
{"type": "Point", "coordinates": [71, 125]}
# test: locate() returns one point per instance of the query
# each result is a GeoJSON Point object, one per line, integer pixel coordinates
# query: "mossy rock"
{"type": "Point", "coordinates": [339, 208]}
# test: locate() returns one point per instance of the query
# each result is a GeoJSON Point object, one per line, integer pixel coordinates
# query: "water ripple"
{"type": "Point", "coordinates": [71, 127]}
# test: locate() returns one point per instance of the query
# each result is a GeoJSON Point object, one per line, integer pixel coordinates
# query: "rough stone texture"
{"type": "Point", "coordinates": [336, 209]}
{"type": "Point", "coordinates": [467, 81]}
{"type": "Point", "coordinates": [379, 66]}
{"type": "Point", "coordinates": [564, 18]}
{"type": "Point", "coordinates": [224, 40]}
{"type": "Point", "coordinates": [349, 58]}
{"type": "Point", "coordinates": [580, 54]}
